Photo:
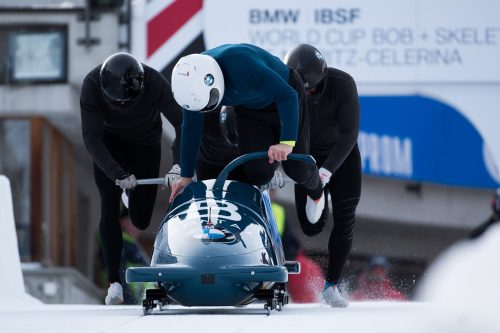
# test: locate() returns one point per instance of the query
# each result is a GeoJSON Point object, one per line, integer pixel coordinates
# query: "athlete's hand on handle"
{"type": "Point", "coordinates": [279, 152]}
{"type": "Point", "coordinates": [172, 175]}
{"type": "Point", "coordinates": [126, 182]}
{"type": "Point", "coordinates": [178, 186]}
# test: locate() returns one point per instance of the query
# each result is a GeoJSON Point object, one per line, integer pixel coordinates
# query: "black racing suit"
{"type": "Point", "coordinates": [257, 130]}
{"type": "Point", "coordinates": [215, 151]}
{"type": "Point", "coordinates": [334, 124]}
{"type": "Point", "coordinates": [126, 140]}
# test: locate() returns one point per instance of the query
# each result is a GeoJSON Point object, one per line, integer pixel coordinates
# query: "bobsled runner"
{"type": "Point", "coordinates": [218, 245]}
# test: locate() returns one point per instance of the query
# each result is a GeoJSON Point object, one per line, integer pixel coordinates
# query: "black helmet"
{"type": "Point", "coordinates": [121, 77]}
{"type": "Point", "coordinates": [309, 63]}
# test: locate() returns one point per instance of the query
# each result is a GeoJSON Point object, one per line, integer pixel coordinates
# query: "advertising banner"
{"type": "Point", "coordinates": [422, 139]}
{"type": "Point", "coordinates": [375, 41]}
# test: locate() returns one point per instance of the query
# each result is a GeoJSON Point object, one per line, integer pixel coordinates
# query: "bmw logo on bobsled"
{"type": "Point", "coordinates": [218, 245]}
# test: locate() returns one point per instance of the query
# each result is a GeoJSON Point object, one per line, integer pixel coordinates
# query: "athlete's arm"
{"type": "Point", "coordinates": [92, 132]}
{"type": "Point", "coordinates": [348, 118]}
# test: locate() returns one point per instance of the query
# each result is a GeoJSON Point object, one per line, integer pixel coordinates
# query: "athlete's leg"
{"type": "Point", "coordinates": [345, 189]}
{"type": "Point", "coordinates": [256, 133]}
{"type": "Point", "coordinates": [144, 163]}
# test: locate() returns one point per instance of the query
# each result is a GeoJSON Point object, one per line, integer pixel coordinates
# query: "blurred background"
{"type": "Point", "coordinates": [428, 77]}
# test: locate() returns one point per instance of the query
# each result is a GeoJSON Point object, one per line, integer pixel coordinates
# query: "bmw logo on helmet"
{"type": "Point", "coordinates": [209, 79]}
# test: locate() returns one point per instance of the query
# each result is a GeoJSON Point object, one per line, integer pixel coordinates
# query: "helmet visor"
{"type": "Point", "coordinates": [122, 89]}
{"type": "Point", "coordinates": [213, 100]}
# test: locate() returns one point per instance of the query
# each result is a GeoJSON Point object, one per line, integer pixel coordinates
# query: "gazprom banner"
{"type": "Point", "coordinates": [418, 138]}
{"type": "Point", "coordinates": [375, 41]}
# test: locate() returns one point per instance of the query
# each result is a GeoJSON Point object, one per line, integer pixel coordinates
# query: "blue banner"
{"type": "Point", "coordinates": [421, 139]}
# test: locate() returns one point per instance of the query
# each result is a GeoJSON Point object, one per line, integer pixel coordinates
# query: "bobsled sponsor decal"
{"type": "Point", "coordinates": [211, 232]}
{"type": "Point", "coordinates": [213, 209]}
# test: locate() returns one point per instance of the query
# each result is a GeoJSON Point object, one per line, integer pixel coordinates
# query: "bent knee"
{"type": "Point", "coordinates": [259, 174]}
{"type": "Point", "coordinates": [140, 222]}
{"type": "Point", "coordinates": [310, 229]}
{"type": "Point", "coordinates": [141, 225]}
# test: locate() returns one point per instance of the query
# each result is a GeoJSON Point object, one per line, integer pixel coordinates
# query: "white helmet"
{"type": "Point", "coordinates": [197, 83]}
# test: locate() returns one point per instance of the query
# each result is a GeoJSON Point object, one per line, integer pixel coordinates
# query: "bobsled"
{"type": "Point", "coordinates": [218, 245]}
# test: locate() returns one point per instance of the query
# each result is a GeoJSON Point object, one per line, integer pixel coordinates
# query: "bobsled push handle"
{"type": "Point", "coordinates": [219, 182]}
{"type": "Point", "coordinates": [151, 181]}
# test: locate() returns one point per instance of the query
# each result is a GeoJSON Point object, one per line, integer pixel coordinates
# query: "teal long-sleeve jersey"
{"type": "Point", "coordinates": [253, 78]}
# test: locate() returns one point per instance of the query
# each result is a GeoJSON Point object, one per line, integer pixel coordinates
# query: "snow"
{"type": "Point", "coordinates": [11, 274]}
{"type": "Point", "coordinates": [360, 317]}
{"type": "Point", "coordinates": [460, 294]}
{"type": "Point", "coordinates": [465, 283]}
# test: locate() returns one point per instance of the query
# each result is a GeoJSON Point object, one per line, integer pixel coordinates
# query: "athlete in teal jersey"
{"type": "Point", "coordinates": [269, 100]}
{"type": "Point", "coordinates": [253, 78]}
